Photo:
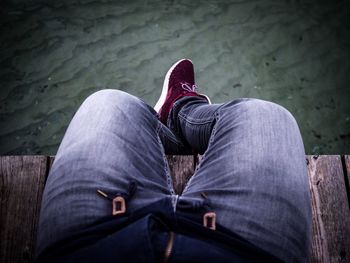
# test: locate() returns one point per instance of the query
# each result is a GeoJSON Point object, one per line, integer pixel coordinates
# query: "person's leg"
{"type": "Point", "coordinates": [253, 171]}
{"type": "Point", "coordinates": [114, 139]}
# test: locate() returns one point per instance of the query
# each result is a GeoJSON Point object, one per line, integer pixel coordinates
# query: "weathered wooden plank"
{"type": "Point", "coordinates": [181, 168]}
{"type": "Point", "coordinates": [22, 180]}
{"type": "Point", "coordinates": [331, 215]}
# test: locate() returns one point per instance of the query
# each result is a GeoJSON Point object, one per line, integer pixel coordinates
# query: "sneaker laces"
{"type": "Point", "coordinates": [188, 87]}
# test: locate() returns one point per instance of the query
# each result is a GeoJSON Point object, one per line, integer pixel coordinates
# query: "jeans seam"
{"type": "Point", "coordinates": [193, 121]}
{"type": "Point", "coordinates": [211, 139]}
{"type": "Point", "coordinates": [169, 180]}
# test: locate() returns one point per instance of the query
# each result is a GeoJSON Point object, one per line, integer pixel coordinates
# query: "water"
{"type": "Point", "coordinates": [55, 53]}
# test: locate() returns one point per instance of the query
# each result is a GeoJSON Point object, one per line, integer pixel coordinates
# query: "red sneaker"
{"type": "Point", "coordinates": [179, 82]}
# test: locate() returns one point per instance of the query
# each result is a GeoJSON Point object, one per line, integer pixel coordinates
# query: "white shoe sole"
{"type": "Point", "coordinates": [165, 89]}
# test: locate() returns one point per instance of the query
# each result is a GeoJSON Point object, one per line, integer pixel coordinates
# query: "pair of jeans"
{"type": "Point", "coordinates": [253, 168]}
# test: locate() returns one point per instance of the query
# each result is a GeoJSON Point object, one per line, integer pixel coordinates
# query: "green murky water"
{"type": "Point", "coordinates": [55, 53]}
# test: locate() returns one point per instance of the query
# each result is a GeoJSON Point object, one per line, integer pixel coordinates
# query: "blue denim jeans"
{"type": "Point", "coordinates": [253, 167]}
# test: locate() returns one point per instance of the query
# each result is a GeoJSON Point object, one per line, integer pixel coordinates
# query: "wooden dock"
{"type": "Point", "coordinates": [23, 179]}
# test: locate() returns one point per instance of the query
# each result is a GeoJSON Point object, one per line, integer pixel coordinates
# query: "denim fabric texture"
{"type": "Point", "coordinates": [253, 168]}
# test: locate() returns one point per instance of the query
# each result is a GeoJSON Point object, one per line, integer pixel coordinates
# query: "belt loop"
{"type": "Point", "coordinates": [118, 205]}
{"type": "Point", "coordinates": [209, 217]}
{"type": "Point", "coordinates": [119, 201]}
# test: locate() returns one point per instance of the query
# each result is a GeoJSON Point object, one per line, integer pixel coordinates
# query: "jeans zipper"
{"type": "Point", "coordinates": [169, 247]}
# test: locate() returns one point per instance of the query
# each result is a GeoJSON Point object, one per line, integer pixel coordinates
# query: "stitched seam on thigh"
{"type": "Point", "coordinates": [165, 160]}
{"type": "Point", "coordinates": [193, 121]}
{"type": "Point", "coordinates": [213, 133]}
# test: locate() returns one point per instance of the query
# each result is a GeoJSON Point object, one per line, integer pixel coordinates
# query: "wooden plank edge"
{"type": "Point", "coordinates": [345, 159]}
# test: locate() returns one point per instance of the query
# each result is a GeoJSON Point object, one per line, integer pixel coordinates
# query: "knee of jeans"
{"type": "Point", "coordinates": [274, 111]}
{"type": "Point", "coordinates": [112, 98]}
{"type": "Point", "coordinates": [257, 108]}
{"type": "Point", "coordinates": [118, 103]}
{"type": "Point", "coordinates": [107, 96]}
